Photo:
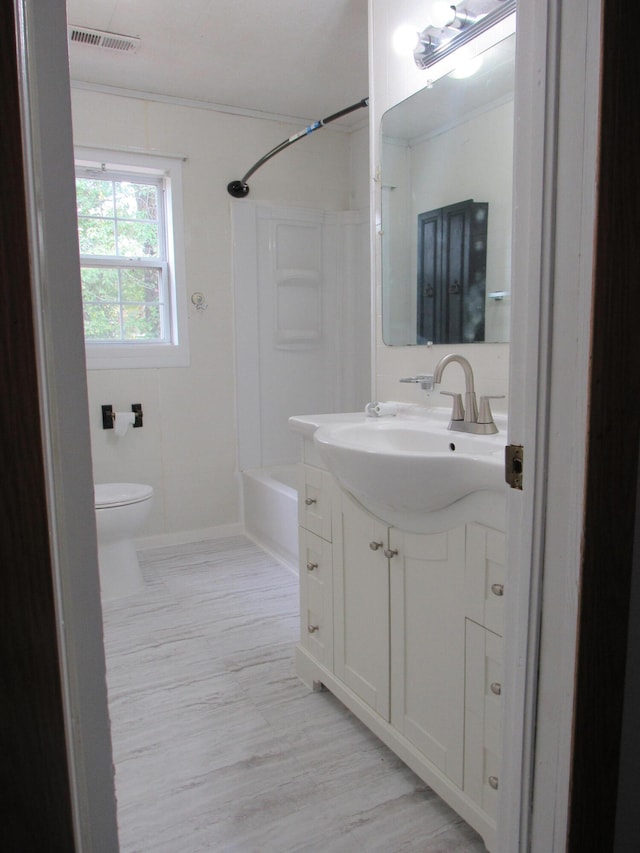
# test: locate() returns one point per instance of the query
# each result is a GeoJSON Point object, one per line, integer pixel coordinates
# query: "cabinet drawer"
{"type": "Point", "coordinates": [316, 597]}
{"type": "Point", "coordinates": [483, 714]}
{"type": "Point", "coordinates": [485, 577]}
{"type": "Point", "coordinates": [314, 500]}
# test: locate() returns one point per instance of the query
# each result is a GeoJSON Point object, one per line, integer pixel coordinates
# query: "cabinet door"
{"type": "Point", "coordinates": [484, 587]}
{"type": "Point", "coordinates": [430, 297]}
{"type": "Point", "coordinates": [427, 644]}
{"type": "Point", "coordinates": [483, 711]}
{"type": "Point", "coordinates": [316, 597]}
{"type": "Point", "coordinates": [361, 603]}
{"type": "Point", "coordinates": [452, 260]}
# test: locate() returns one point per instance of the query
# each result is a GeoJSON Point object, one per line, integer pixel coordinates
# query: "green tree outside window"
{"type": "Point", "coordinates": [123, 258]}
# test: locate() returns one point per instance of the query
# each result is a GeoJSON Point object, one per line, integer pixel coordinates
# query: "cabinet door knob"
{"type": "Point", "coordinates": [311, 566]}
{"type": "Point", "coordinates": [496, 688]}
{"type": "Point", "coordinates": [310, 501]}
{"type": "Point", "coordinates": [497, 589]}
{"type": "Point", "coordinates": [493, 782]}
{"type": "Point", "coordinates": [375, 545]}
{"type": "Point", "coordinates": [389, 553]}
{"type": "Point", "coordinates": [312, 628]}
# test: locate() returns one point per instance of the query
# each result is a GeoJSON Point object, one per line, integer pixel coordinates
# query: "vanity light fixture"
{"type": "Point", "coordinates": [407, 40]}
{"type": "Point", "coordinates": [452, 26]}
{"type": "Point", "coordinates": [442, 14]}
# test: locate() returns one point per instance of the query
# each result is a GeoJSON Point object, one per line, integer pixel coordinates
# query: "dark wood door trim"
{"type": "Point", "coordinates": [612, 460]}
{"type": "Point", "coordinates": [36, 801]}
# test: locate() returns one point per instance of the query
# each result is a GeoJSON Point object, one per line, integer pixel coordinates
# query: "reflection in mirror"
{"type": "Point", "coordinates": [446, 147]}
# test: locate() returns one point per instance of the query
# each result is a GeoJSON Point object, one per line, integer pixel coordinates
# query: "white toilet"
{"type": "Point", "coordinates": [121, 510]}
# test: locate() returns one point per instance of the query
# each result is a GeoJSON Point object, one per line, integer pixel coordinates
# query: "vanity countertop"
{"type": "Point", "coordinates": [306, 425]}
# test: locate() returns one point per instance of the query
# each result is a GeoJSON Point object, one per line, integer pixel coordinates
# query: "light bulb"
{"type": "Point", "coordinates": [405, 39]}
{"type": "Point", "coordinates": [466, 67]}
{"type": "Point", "coordinates": [441, 13]}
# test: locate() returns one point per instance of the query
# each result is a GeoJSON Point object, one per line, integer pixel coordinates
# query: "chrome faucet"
{"type": "Point", "coordinates": [424, 380]}
{"type": "Point", "coordinates": [465, 418]}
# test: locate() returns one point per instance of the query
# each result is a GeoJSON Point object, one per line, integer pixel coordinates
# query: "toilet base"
{"type": "Point", "coordinates": [120, 573]}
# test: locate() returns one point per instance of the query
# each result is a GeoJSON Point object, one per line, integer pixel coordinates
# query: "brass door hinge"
{"type": "Point", "coordinates": [513, 465]}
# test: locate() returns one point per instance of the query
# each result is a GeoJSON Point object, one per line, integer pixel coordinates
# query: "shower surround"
{"type": "Point", "coordinates": [302, 327]}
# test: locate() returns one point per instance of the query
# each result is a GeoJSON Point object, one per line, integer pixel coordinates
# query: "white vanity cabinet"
{"type": "Point", "coordinates": [316, 597]}
{"type": "Point", "coordinates": [406, 630]}
{"type": "Point", "coordinates": [484, 611]}
{"type": "Point", "coordinates": [483, 712]}
{"type": "Point", "coordinates": [316, 563]}
{"type": "Point", "coordinates": [361, 603]}
{"type": "Point", "coordinates": [427, 652]}
{"type": "Point", "coordinates": [396, 596]}
{"type": "Point", "coordinates": [314, 500]}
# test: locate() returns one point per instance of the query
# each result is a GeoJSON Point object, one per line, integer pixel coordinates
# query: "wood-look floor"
{"type": "Point", "coordinates": [218, 746]}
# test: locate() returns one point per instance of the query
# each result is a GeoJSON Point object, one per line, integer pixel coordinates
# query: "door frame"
{"type": "Point", "coordinates": [47, 146]}
{"type": "Point", "coordinates": [557, 114]}
{"type": "Point", "coordinates": [606, 754]}
{"type": "Point", "coordinates": [556, 177]}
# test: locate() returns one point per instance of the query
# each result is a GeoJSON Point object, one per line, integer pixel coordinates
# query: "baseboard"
{"type": "Point", "coordinates": [186, 537]}
{"type": "Point", "coordinates": [272, 552]}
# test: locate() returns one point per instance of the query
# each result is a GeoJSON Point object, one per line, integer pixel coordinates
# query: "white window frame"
{"type": "Point", "coordinates": [109, 355]}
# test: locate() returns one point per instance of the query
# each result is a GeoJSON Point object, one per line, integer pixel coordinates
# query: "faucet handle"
{"type": "Point", "coordinates": [485, 415]}
{"type": "Point", "coordinates": [457, 414]}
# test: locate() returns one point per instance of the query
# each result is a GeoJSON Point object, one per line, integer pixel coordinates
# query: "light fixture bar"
{"type": "Point", "coordinates": [427, 58]}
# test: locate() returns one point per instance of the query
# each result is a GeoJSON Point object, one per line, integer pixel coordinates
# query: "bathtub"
{"type": "Point", "coordinates": [270, 501]}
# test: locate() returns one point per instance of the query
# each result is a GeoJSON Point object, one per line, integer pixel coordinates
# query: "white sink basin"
{"type": "Point", "coordinates": [410, 465]}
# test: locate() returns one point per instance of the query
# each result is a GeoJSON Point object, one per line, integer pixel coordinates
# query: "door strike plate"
{"type": "Point", "coordinates": [514, 463]}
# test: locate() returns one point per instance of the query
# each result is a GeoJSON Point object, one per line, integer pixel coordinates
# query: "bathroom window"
{"type": "Point", "coordinates": [131, 259]}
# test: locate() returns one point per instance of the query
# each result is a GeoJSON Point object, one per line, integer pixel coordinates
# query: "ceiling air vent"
{"type": "Point", "coordinates": [100, 38]}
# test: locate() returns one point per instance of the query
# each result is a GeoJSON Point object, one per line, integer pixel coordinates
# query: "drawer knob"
{"type": "Point", "coordinates": [375, 545]}
{"type": "Point", "coordinates": [312, 628]}
{"type": "Point", "coordinates": [311, 566]}
{"type": "Point", "coordinates": [310, 501]}
{"type": "Point", "coordinates": [497, 589]}
{"type": "Point", "coordinates": [496, 688]}
{"type": "Point", "coordinates": [493, 782]}
{"type": "Point", "coordinates": [389, 553]}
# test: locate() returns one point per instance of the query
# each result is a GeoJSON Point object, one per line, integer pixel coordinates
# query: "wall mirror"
{"type": "Point", "coordinates": [446, 173]}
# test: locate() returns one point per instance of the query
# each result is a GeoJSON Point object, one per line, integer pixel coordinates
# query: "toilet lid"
{"type": "Point", "coordinates": [120, 494]}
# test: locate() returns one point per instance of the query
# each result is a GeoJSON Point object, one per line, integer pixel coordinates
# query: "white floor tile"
{"type": "Point", "coordinates": [219, 747]}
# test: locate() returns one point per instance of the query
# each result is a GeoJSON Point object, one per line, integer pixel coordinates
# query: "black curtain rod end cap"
{"type": "Point", "coordinates": [238, 189]}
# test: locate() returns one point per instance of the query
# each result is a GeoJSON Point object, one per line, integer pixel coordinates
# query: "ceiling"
{"type": "Point", "coordinates": [304, 59]}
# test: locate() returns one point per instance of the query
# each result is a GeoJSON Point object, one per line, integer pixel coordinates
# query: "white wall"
{"type": "Point", "coordinates": [187, 447]}
{"type": "Point", "coordinates": [395, 78]}
{"type": "Point", "coordinates": [358, 300]}
{"type": "Point", "coordinates": [359, 169]}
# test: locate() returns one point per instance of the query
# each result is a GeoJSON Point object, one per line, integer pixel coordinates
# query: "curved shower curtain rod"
{"type": "Point", "coordinates": [240, 189]}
